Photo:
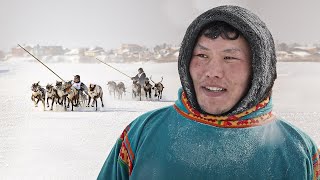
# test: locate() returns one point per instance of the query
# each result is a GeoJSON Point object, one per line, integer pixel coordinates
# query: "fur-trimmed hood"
{"type": "Point", "coordinates": [262, 48]}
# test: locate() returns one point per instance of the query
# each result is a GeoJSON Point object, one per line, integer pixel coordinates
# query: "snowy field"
{"type": "Point", "coordinates": [58, 144]}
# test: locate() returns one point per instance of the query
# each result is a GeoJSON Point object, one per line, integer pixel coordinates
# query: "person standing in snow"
{"type": "Point", "coordinates": [222, 125]}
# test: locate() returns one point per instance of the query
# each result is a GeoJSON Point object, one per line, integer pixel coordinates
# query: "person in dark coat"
{"type": "Point", "coordinates": [140, 77]}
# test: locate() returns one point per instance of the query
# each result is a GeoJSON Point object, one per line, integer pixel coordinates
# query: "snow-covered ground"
{"type": "Point", "coordinates": [37, 144]}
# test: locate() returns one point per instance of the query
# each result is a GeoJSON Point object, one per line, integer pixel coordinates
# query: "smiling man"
{"type": "Point", "coordinates": [222, 125]}
{"type": "Point", "coordinates": [220, 68]}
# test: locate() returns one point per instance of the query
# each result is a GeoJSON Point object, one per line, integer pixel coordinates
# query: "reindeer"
{"type": "Point", "coordinates": [38, 94]}
{"type": "Point", "coordinates": [136, 89]}
{"type": "Point", "coordinates": [95, 92]}
{"type": "Point", "coordinates": [72, 94]}
{"type": "Point", "coordinates": [158, 88]}
{"type": "Point", "coordinates": [62, 96]}
{"type": "Point", "coordinates": [147, 88]}
{"type": "Point", "coordinates": [51, 94]}
{"type": "Point", "coordinates": [112, 86]}
{"type": "Point", "coordinates": [120, 89]}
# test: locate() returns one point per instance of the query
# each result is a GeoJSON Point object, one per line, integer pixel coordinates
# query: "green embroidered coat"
{"type": "Point", "coordinates": [176, 142]}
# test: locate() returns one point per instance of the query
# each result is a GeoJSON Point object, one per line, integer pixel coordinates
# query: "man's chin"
{"type": "Point", "coordinates": [215, 112]}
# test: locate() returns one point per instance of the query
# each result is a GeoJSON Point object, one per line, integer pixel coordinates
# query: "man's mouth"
{"type": "Point", "coordinates": [214, 89]}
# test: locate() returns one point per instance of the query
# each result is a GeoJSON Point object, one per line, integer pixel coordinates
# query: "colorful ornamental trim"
{"type": "Point", "coordinates": [126, 153]}
{"type": "Point", "coordinates": [227, 121]}
{"type": "Point", "coordinates": [124, 156]}
{"type": "Point", "coordinates": [124, 133]}
{"type": "Point", "coordinates": [316, 164]}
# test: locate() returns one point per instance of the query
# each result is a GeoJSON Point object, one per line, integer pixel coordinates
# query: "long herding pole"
{"type": "Point", "coordinates": [113, 68]}
{"type": "Point", "coordinates": [42, 63]}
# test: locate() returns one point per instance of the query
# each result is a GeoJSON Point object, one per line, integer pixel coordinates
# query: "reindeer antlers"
{"type": "Point", "coordinates": [151, 80]}
{"type": "Point", "coordinates": [154, 82]}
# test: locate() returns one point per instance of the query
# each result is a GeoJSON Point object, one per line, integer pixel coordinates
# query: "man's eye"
{"type": "Point", "coordinates": [202, 55]}
{"type": "Point", "coordinates": [228, 57]}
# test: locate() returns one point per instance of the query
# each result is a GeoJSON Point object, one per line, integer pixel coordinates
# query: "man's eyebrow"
{"type": "Point", "coordinates": [232, 50]}
{"type": "Point", "coordinates": [201, 47]}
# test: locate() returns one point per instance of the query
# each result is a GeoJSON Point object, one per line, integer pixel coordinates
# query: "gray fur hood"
{"type": "Point", "coordinates": [262, 47]}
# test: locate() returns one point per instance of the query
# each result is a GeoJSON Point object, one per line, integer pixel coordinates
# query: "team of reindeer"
{"type": "Point", "coordinates": [63, 93]}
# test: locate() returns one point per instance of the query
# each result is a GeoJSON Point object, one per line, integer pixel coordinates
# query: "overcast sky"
{"type": "Point", "coordinates": [109, 23]}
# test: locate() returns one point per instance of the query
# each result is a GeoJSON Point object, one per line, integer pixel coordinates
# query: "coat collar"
{"type": "Point", "coordinates": [255, 116]}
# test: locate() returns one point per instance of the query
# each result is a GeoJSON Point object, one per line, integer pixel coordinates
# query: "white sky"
{"type": "Point", "coordinates": [109, 23]}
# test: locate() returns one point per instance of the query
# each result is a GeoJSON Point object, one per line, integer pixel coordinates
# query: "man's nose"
{"type": "Point", "coordinates": [215, 68]}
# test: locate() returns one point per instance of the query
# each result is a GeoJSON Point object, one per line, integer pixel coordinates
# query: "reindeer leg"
{"type": "Point", "coordinates": [63, 101]}
{"type": "Point", "coordinates": [60, 100]}
{"type": "Point", "coordinates": [101, 101]}
{"type": "Point", "coordinates": [69, 103]}
{"type": "Point", "coordinates": [74, 102]}
{"type": "Point", "coordinates": [52, 103]}
{"type": "Point", "coordinates": [77, 100]}
{"type": "Point", "coordinates": [36, 104]}
{"type": "Point", "coordinates": [47, 101]}
{"type": "Point", "coordinates": [96, 104]}
{"type": "Point", "coordinates": [89, 101]}
{"type": "Point", "coordinates": [43, 103]}
{"type": "Point", "coordinates": [93, 101]}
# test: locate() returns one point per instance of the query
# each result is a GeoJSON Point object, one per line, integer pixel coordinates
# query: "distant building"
{"type": "Point", "coordinates": [76, 52]}
{"type": "Point", "coordinates": [301, 54]}
{"type": "Point", "coordinates": [166, 52]}
{"type": "Point", "coordinates": [95, 51]}
{"type": "Point", "coordinates": [283, 55]}
{"type": "Point", "coordinates": [2, 54]}
{"type": "Point", "coordinates": [131, 47]}
{"type": "Point", "coordinates": [47, 50]}
{"type": "Point", "coordinates": [53, 50]}
{"type": "Point", "coordinates": [310, 50]}
{"type": "Point", "coordinates": [19, 52]}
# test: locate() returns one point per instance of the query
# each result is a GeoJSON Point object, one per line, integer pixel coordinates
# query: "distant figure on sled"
{"type": "Point", "coordinates": [138, 82]}
{"type": "Point", "coordinates": [140, 77]}
{"type": "Point", "coordinates": [81, 87]}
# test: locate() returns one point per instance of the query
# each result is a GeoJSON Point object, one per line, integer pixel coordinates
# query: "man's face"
{"type": "Point", "coordinates": [220, 70]}
{"type": "Point", "coordinates": [76, 80]}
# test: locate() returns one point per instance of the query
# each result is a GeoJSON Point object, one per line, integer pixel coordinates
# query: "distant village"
{"type": "Point", "coordinates": [126, 53]}
{"type": "Point", "coordinates": [136, 53]}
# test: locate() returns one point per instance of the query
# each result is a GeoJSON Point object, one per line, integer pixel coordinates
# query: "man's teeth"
{"type": "Point", "coordinates": [214, 89]}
